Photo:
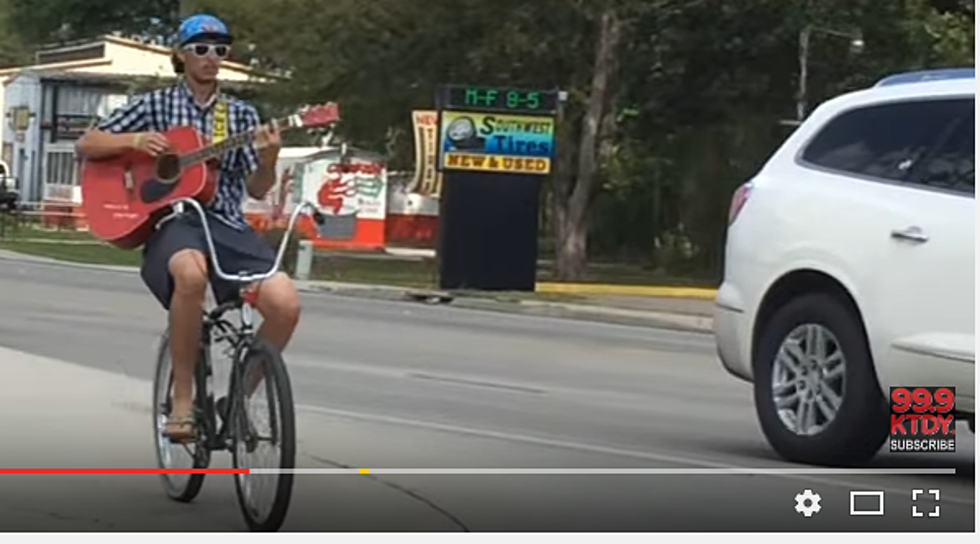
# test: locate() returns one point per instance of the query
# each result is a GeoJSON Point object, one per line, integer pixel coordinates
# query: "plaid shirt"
{"type": "Point", "coordinates": [163, 109]}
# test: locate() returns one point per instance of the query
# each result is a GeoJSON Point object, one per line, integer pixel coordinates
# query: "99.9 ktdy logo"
{"type": "Point", "coordinates": [923, 419]}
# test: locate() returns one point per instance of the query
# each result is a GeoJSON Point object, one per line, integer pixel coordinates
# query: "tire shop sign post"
{"type": "Point", "coordinates": [496, 146]}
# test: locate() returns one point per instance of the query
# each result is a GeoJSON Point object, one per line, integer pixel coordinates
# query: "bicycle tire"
{"type": "Point", "coordinates": [201, 454]}
{"type": "Point", "coordinates": [274, 367]}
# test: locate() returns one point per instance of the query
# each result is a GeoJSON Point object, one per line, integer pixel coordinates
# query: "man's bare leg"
{"type": "Point", "coordinates": [189, 271]}
{"type": "Point", "coordinates": [278, 303]}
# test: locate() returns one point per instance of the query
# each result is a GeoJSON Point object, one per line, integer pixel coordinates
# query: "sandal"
{"type": "Point", "coordinates": [181, 430]}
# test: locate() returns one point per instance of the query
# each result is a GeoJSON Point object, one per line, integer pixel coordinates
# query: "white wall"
{"type": "Point", "coordinates": [25, 90]}
{"type": "Point", "coordinates": [401, 202]}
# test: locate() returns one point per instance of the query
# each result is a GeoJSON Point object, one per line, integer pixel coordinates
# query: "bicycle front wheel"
{"type": "Point", "coordinates": [264, 437]}
{"type": "Point", "coordinates": [179, 487]}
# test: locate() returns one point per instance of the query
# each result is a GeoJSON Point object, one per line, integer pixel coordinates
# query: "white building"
{"type": "Point", "coordinates": [47, 106]}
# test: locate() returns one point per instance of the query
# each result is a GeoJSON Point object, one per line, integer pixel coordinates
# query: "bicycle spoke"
{"type": "Point", "coordinates": [256, 416]}
{"type": "Point", "coordinates": [265, 438]}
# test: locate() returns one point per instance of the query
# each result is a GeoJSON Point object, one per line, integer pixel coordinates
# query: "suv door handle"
{"type": "Point", "coordinates": [911, 234]}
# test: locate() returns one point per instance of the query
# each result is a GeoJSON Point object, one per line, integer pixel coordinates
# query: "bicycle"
{"type": "Point", "coordinates": [232, 431]}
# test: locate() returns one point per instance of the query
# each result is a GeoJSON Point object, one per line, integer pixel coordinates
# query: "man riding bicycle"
{"type": "Point", "coordinates": [175, 262]}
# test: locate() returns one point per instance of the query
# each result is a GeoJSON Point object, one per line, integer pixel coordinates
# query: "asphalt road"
{"type": "Point", "coordinates": [401, 385]}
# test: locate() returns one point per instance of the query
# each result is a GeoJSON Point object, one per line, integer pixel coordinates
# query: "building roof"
{"type": "Point", "coordinates": [107, 78]}
{"type": "Point", "coordinates": [93, 53]}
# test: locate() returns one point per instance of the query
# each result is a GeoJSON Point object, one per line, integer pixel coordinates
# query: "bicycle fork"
{"type": "Point", "coordinates": [204, 377]}
{"type": "Point", "coordinates": [238, 344]}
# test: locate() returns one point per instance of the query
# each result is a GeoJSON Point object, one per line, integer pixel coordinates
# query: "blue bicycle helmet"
{"type": "Point", "coordinates": [203, 27]}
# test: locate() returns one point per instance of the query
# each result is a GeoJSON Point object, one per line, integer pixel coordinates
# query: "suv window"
{"type": "Point", "coordinates": [886, 140]}
{"type": "Point", "coordinates": [950, 165]}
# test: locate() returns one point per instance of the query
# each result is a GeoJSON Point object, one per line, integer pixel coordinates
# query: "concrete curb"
{"type": "Point", "coordinates": [582, 312]}
{"type": "Point", "coordinates": [697, 293]}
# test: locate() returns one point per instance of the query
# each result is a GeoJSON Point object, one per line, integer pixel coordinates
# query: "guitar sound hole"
{"type": "Point", "coordinates": [168, 167]}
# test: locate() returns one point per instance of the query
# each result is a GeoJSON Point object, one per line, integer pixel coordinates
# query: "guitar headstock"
{"type": "Point", "coordinates": [317, 116]}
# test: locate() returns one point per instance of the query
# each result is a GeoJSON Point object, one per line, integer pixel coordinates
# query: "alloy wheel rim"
{"type": "Point", "coordinates": [807, 384]}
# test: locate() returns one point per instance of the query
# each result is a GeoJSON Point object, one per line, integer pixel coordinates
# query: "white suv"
{"type": "Point", "coordinates": [849, 266]}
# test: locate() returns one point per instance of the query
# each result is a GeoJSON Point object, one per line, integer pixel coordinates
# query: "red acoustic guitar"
{"type": "Point", "coordinates": [125, 196]}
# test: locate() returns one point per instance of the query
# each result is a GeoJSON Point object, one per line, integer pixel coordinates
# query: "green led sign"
{"type": "Point", "coordinates": [502, 99]}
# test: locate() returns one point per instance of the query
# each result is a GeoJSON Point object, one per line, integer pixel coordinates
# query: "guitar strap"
{"type": "Point", "coordinates": [220, 129]}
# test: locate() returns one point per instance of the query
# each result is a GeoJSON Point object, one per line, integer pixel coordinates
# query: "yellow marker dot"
{"type": "Point", "coordinates": [362, 471]}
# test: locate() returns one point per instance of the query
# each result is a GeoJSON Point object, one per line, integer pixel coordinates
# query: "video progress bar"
{"type": "Point", "coordinates": [495, 471]}
{"type": "Point", "coordinates": [608, 471]}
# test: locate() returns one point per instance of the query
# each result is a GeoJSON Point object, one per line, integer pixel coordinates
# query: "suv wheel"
{"type": "Point", "coordinates": [816, 392]}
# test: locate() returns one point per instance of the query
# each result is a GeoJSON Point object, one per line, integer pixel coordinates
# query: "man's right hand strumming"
{"type": "Point", "coordinates": [152, 143]}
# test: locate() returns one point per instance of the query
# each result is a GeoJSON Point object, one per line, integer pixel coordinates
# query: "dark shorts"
{"type": "Point", "coordinates": [237, 251]}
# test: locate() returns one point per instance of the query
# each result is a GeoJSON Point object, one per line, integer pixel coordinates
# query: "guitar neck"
{"type": "Point", "coordinates": [236, 141]}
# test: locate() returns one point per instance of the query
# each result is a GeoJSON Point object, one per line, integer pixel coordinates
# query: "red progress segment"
{"type": "Point", "coordinates": [124, 471]}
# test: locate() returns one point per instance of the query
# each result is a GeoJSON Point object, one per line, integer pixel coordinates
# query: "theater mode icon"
{"type": "Point", "coordinates": [872, 503]}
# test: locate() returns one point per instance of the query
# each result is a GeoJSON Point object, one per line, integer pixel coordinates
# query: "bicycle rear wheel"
{"type": "Point", "coordinates": [264, 497]}
{"type": "Point", "coordinates": [179, 487]}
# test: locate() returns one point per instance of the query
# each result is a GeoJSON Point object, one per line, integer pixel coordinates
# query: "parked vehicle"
{"type": "Point", "coordinates": [9, 195]}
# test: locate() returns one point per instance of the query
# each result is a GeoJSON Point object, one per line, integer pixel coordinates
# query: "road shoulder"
{"type": "Point", "coordinates": [70, 416]}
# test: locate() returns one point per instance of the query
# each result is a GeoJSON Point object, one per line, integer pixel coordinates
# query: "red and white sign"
{"type": "Point", "coordinates": [352, 197]}
{"type": "Point", "coordinates": [923, 419]}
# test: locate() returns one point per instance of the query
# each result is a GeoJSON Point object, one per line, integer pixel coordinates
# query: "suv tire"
{"type": "Point", "coordinates": [860, 426]}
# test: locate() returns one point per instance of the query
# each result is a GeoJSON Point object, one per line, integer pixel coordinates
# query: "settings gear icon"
{"type": "Point", "coordinates": [807, 503]}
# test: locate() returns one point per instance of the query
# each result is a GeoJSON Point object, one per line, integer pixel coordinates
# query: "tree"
{"type": "Point", "coordinates": [671, 103]}
{"type": "Point", "coordinates": [573, 189]}
{"type": "Point", "coordinates": [698, 86]}
{"type": "Point", "coordinates": [12, 49]}
{"type": "Point", "coordinates": [383, 58]}
{"type": "Point", "coordinates": [54, 21]}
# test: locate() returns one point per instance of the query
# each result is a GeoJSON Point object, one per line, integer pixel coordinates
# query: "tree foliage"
{"type": "Point", "coordinates": [66, 20]}
{"type": "Point", "coordinates": [672, 103]}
